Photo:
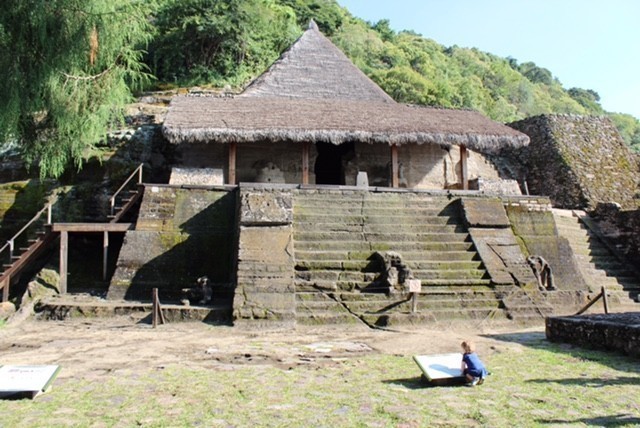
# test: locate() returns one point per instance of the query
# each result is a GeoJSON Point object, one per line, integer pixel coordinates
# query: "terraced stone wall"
{"type": "Point", "coordinates": [577, 161]}
{"type": "Point", "coordinates": [181, 234]}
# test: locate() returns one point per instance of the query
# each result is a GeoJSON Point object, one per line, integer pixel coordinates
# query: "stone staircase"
{"type": "Point", "coordinates": [598, 265]}
{"type": "Point", "coordinates": [336, 233]}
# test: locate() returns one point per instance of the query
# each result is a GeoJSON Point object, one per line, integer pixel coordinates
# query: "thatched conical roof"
{"type": "Point", "coordinates": [312, 68]}
{"type": "Point", "coordinates": [248, 119]}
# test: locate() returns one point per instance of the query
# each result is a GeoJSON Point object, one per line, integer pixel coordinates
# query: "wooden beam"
{"type": "Point", "coordinates": [5, 288]}
{"type": "Point", "coordinates": [92, 227]}
{"type": "Point", "coordinates": [305, 162]}
{"type": "Point", "coordinates": [464, 172]}
{"type": "Point", "coordinates": [105, 254]}
{"type": "Point", "coordinates": [233, 151]}
{"type": "Point", "coordinates": [64, 252]}
{"type": "Point", "coordinates": [395, 182]}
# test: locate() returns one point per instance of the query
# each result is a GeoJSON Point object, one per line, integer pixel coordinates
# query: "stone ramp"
{"type": "Point", "coordinates": [597, 263]}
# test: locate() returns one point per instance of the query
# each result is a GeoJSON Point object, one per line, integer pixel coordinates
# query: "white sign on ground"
{"type": "Point", "coordinates": [438, 367]}
{"type": "Point", "coordinates": [26, 380]}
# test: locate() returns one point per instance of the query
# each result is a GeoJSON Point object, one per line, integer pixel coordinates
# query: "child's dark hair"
{"type": "Point", "coordinates": [468, 346]}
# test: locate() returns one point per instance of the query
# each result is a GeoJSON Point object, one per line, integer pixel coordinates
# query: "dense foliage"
{"type": "Point", "coordinates": [67, 67]}
{"type": "Point", "coordinates": [66, 71]}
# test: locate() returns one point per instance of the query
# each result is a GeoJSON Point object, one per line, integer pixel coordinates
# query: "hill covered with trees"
{"type": "Point", "coordinates": [226, 43]}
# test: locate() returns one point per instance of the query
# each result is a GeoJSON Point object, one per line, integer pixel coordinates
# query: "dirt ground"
{"type": "Point", "coordinates": [94, 349]}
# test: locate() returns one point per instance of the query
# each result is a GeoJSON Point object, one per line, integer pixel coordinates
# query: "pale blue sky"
{"type": "Point", "coordinates": [591, 44]}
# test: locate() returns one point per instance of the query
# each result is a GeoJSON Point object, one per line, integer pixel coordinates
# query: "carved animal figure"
{"type": "Point", "coordinates": [542, 272]}
{"type": "Point", "coordinates": [202, 292]}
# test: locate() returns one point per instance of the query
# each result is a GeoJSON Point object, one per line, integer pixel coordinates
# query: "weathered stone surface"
{"type": "Point", "coordinates": [612, 332]}
{"type": "Point", "coordinates": [197, 176]}
{"type": "Point", "coordinates": [495, 186]}
{"type": "Point", "coordinates": [265, 207]}
{"type": "Point", "coordinates": [577, 161]}
{"type": "Point", "coordinates": [502, 256]}
{"type": "Point", "coordinates": [484, 213]}
{"type": "Point", "coordinates": [181, 234]}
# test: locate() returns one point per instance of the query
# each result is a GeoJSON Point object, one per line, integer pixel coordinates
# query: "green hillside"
{"type": "Point", "coordinates": [227, 43]}
{"type": "Point", "coordinates": [68, 67]}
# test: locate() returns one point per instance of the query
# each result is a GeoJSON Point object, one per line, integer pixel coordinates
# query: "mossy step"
{"type": "Point", "coordinates": [325, 217]}
{"type": "Point", "coordinates": [312, 285]}
{"type": "Point", "coordinates": [368, 277]}
{"type": "Point", "coordinates": [386, 238]}
{"type": "Point", "coordinates": [369, 198]}
{"type": "Point", "coordinates": [363, 265]}
{"type": "Point", "coordinates": [433, 316]}
{"type": "Point", "coordinates": [324, 318]}
{"type": "Point", "coordinates": [378, 228]}
{"type": "Point", "coordinates": [374, 208]}
{"type": "Point", "coordinates": [422, 305]}
{"type": "Point", "coordinates": [371, 247]}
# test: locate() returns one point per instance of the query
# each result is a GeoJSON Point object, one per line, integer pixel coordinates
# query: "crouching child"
{"type": "Point", "coordinates": [472, 368]}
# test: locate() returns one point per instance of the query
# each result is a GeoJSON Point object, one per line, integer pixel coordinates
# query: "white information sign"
{"type": "Point", "coordinates": [29, 380]}
{"type": "Point", "coordinates": [443, 366]}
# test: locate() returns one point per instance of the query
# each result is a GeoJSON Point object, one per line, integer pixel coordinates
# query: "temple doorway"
{"type": "Point", "coordinates": [329, 166]}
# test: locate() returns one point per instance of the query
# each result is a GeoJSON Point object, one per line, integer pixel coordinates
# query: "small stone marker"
{"type": "Point", "coordinates": [440, 369]}
{"type": "Point", "coordinates": [415, 285]}
{"type": "Point", "coordinates": [29, 381]}
{"type": "Point", "coordinates": [362, 180]}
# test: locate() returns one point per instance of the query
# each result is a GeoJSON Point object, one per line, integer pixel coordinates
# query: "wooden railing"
{"type": "Point", "coordinates": [602, 295]}
{"type": "Point", "coordinates": [10, 245]}
{"type": "Point", "coordinates": [137, 172]}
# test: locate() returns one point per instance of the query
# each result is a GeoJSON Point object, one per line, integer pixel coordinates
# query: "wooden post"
{"type": "Point", "coordinates": [604, 300]}
{"type": "Point", "coordinates": [64, 252]}
{"type": "Point", "coordinates": [105, 254]}
{"type": "Point", "coordinates": [5, 289]}
{"type": "Point", "coordinates": [464, 155]}
{"type": "Point", "coordinates": [154, 308]}
{"type": "Point", "coordinates": [305, 162]}
{"type": "Point", "coordinates": [394, 166]}
{"type": "Point", "coordinates": [233, 151]}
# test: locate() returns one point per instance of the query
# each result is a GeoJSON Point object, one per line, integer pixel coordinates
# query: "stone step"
{"type": "Point", "coordinates": [366, 277]}
{"type": "Point", "coordinates": [302, 285]}
{"type": "Point", "coordinates": [320, 317]}
{"type": "Point", "coordinates": [363, 265]}
{"type": "Point", "coordinates": [303, 247]}
{"type": "Point", "coordinates": [399, 218]}
{"type": "Point", "coordinates": [380, 237]}
{"type": "Point", "coordinates": [387, 199]}
{"type": "Point", "coordinates": [434, 316]}
{"type": "Point", "coordinates": [374, 210]}
{"type": "Point", "coordinates": [378, 228]}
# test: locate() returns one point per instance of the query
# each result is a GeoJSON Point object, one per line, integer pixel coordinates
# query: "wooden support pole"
{"type": "Point", "coordinates": [156, 311]}
{"type": "Point", "coordinates": [305, 162]}
{"type": "Point", "coordinates": [605, 301]}
{"type": "Point", "coordinates": [395, 182]}
{"type": "Point", "coordinates": [105, 254]}
{"type": "Point", "coordinates": [233, 151]}
{"type": "Point", "coordinates": [414, 302]}
{"type": "Point", "coordinates": [64, 259]}
{"type": "Point", "coordinates": [464, 172]}
{"type": "Point", "coordinates": [5, 289]}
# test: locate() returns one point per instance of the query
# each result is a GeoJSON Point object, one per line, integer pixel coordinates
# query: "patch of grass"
{"type": "Point", "coordinates": [539, 384]}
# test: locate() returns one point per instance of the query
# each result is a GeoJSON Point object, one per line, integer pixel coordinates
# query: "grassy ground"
{"type": "Point", "coordinates": [537, 384]}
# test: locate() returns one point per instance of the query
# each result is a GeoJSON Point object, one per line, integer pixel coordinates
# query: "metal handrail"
{"type": "Point", "coordinates": [138, 170]}
{"type": "Point", "coordinates": [10, 242]}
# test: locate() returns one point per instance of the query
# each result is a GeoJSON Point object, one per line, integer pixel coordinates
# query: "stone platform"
{"type": "Point", "coordinates": [87, 306]}
{"type": "Point", "coordinates": [618, 332]}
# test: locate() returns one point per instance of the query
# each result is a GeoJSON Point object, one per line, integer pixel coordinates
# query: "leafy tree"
{"type": "Point", "coordinates": [383, 27]}
{"type": "Point", "coordinates": [219, 41]}
{"type": "Point", "coordinates": [588, 98]}
{"type": "Point", "coordinates": [66, 69]}
{"type": "Point", "coordinates": [536, 74]}
{"type": "Point", "coordinates": [326, 13]}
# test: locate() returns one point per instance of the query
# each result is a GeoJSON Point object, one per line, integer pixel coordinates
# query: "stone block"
{"type": "Point", "coordinates": [267, 206]}
{"type": "Point", "coordinates": [197, 176]}
{"type": "Point", "coordinates": [485, 213]}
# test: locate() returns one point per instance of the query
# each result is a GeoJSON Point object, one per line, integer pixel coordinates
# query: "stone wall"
{"type": "Point", "coordinates": [620, 229]}
{"type": "Point", "coordinates": [181, 234]}
{"type": "Point", "coordinates": [265, 279]}
{"type": "Point", "coordinates": [534, 226]}
{"type": "Point", "coordinates": [577, 161]}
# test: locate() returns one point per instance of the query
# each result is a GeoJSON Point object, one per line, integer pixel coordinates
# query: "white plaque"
{"type": "Point", "coordinates": [443, 366]}
{"type": "Point", "coordinates": [28, 380]}
{"type": "Point", "coordinates": [415, 285]}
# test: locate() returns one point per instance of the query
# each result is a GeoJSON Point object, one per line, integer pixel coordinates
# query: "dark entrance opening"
{"type": "Point", "coordinates": [329, 166]}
